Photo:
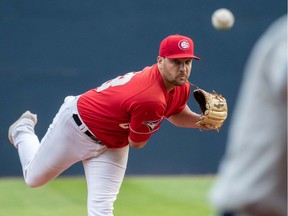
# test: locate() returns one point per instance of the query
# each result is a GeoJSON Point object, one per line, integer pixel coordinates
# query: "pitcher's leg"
{"type": "Point", "coordinates": [21, 135]}
{"type": "Point", "coordinates": [38, 160]}
{"type": "Point", "coordinates": [104, 176]}
{"type": "Point", "coordinates": [62, 146]}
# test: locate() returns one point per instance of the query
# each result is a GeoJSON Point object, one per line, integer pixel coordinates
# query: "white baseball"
{"type": "Point", "coordinates": [222, 19]}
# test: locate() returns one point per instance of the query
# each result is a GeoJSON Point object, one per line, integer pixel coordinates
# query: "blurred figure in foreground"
{"type": "Point", "coordinates": [252, 179]}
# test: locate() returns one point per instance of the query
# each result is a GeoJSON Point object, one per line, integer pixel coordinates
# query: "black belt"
{"type": "Point", "coordinates": [87, 132]}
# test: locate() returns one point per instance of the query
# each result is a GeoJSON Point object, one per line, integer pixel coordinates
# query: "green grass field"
{"type": "Point", "coordinates": [139, 196]}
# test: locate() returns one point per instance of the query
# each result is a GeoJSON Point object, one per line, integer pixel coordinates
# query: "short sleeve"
{"type": "Point", "coordinates": [146, 119]}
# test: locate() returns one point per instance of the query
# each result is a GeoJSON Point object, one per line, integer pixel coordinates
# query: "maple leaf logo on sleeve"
{"type": "Point", "coordinates": [152, 124]}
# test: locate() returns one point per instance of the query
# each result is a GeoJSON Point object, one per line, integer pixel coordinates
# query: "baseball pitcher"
{"type": "Point", "coordinates": [98, 126]}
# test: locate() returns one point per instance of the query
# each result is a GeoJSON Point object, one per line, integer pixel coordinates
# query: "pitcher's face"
{"type": "Point", "coordinates": [174, 71]}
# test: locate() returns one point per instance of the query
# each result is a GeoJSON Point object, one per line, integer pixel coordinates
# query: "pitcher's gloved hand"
{"type": "Point", "coordinates": [214, 109]}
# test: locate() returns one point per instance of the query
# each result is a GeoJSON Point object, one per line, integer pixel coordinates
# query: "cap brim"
{"type": "Point", "coordinates": [183, 56]}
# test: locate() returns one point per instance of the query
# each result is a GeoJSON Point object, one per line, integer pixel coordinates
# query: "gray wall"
{"type": "Point", "coordinates": [50, 49]}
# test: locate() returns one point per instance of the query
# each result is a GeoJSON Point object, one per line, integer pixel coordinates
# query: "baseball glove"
{"type": "Point", "coordinates": [214, 109]}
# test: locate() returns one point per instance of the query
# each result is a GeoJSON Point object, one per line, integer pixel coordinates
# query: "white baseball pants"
{"type": "Point", "coordinates": [65, 144]}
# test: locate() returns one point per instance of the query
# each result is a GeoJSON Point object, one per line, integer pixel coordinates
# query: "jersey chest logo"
{"type": "Point", "coordinates": [124, 125]}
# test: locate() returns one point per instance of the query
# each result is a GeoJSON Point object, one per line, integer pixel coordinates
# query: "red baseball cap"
{"type": "Point", "coordinates": [177, 46]}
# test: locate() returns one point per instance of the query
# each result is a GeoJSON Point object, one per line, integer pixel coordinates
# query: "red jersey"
{"type": "Point", "coordinates": [131, 105]}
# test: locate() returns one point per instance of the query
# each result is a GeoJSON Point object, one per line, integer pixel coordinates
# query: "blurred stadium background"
{"type": "Point", "coordinates": [51, 49]}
